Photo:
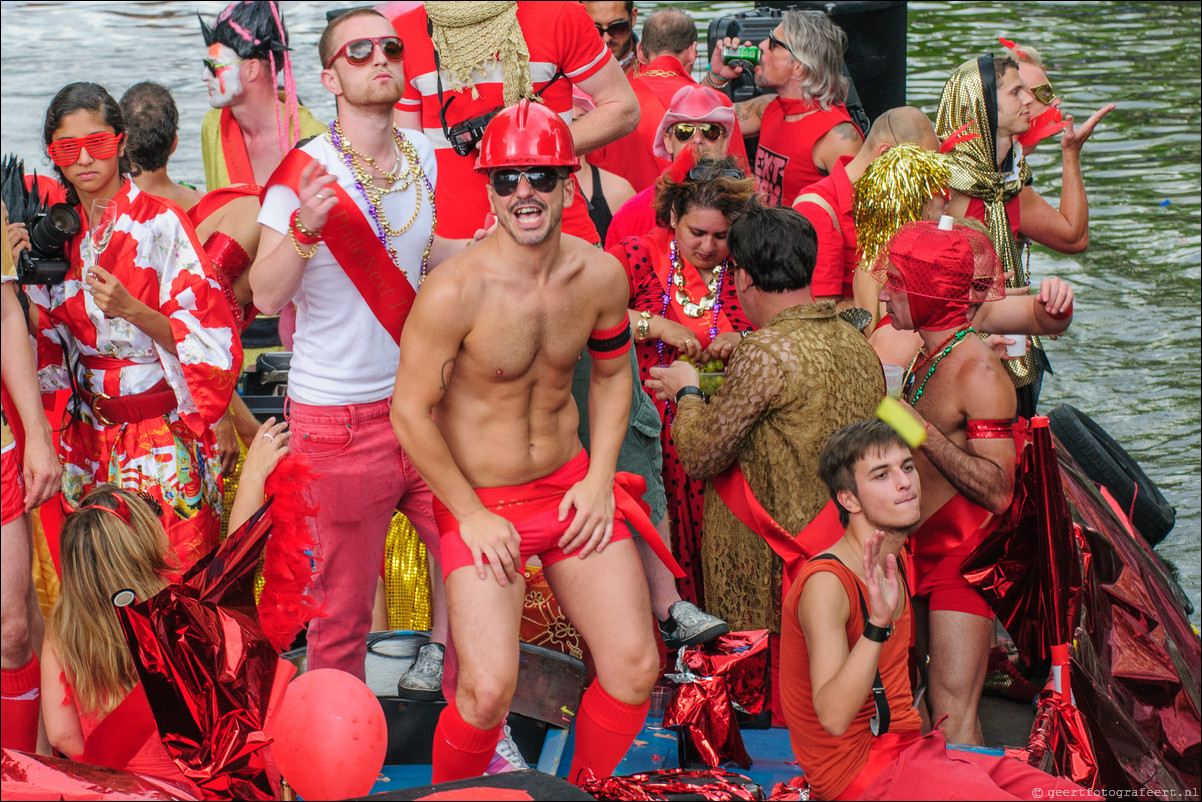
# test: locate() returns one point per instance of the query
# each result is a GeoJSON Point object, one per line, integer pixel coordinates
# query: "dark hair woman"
{"type": "Point", "coordinates": [683, 302]}
{"type": "Point", "coordinates": [138, 330]}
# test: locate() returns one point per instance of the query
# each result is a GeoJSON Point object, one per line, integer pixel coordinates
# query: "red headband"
{"type": "Point", "coordinates": [121, 511]}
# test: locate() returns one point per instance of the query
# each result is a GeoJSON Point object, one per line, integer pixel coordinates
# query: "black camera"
{"type": "Point", "coordinates": [464, 135]}
{"type": "Point", "coordinates": [45, 262]}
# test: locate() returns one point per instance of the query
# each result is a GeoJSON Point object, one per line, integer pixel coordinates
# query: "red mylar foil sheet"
{"type": "Point", "coordinates": [26, 776]}
{"type": "Point", "coordinates": [713, 784]}
{"type": "Point", "coordinates": [730, 669]}
{"type": "Point", "coordinates": [208, 670]}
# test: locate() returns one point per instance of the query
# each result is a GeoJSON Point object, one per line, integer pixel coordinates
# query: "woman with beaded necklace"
{"type": "Point", "coordinates": [683, 302]}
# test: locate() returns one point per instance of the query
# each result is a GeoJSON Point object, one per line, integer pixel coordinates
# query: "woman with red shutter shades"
{"type": "Point", "coordinates": [138, 329]}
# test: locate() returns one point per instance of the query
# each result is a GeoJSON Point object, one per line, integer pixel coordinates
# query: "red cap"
{"type": "Point", "coordinates": [527, 135]}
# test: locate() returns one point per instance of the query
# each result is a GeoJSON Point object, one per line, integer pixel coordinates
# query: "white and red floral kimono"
{"type": "Point", "coordinates": [155, 254]}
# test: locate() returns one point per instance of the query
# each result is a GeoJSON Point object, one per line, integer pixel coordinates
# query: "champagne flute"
{"type": "Point", "coordinates": [101, 221]}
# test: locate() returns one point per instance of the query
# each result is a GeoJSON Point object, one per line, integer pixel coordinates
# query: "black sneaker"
{"type": "Point", "coordinates": [423, 681]}
{"type": "Point", "coordinates": [688, 626]}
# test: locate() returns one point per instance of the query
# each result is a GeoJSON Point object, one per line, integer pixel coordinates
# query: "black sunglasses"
{"type": "Point", "coordinates": [774, 43]}
{"type": "Point", "coordinates": [685, 131]}
{"type": "Point", "coordinates": [703, 172]}
{"type": "Point", "coordinates": [614, 29]}
{"type": "Point", "coordinates": [542, 179]}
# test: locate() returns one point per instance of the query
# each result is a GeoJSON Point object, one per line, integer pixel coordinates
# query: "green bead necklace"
{"type": "Point", "coordinates": [956, 338]}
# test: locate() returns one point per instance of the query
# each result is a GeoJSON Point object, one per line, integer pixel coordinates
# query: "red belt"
{"type": "Point", "coordinates": [113, 411]}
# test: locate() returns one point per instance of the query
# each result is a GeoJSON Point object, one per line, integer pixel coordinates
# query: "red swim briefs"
{"type": "Point", "coordinates": [532, 508]}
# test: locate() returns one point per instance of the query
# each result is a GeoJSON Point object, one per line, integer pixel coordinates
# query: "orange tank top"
{"type": "Point", "coordinates": [829, 762]}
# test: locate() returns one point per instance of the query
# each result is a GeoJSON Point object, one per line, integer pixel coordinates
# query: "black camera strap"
{"type": "Point", "coordinates": [443, 105]}
{"type": "Point", "coordinates": [879, 723]}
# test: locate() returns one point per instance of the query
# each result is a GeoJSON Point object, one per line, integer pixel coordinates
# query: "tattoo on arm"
{"type": "Point", "coordinates": [848, 131]}
{"type": "Point", "coordinates": [753, 108]}
{"type": "Point", "coordinates": [447, 367]}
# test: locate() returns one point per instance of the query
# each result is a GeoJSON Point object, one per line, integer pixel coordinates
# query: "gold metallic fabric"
{"type": "Point", "coordinates": [406, 581]}
{"type": "Point", "coordinates": [974, 172]}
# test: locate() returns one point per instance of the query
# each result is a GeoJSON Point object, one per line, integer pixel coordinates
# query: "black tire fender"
{"type": "Point", "coordinates": [1106, 463]}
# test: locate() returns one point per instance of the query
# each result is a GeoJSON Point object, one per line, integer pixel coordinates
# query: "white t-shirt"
{"type": "Point", "coordinates": [341, 354]}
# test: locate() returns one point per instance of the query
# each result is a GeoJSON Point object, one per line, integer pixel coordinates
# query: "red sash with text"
{"type": "Point", "coordinates": [358, 250]}
{"type": "Point", "coordinates": [732, 487]}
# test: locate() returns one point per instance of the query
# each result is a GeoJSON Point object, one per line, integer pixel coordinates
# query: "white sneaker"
{"type": "Point", "coordinates": [507, 757]}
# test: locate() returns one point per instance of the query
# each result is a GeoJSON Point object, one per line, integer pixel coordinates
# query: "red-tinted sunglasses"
{"type": "Point", "coordinates": [358, 51]}
{"type": "Point", "coordinates": [101, 145]}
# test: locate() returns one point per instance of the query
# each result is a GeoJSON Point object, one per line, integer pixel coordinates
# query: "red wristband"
{"type": "Point", "coordinates": [303, 235]}
{"type": "Point", "coordinates": [1062, 314]}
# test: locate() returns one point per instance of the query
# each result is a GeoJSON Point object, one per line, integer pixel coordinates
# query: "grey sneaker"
{"type": "Point", "coordinates": [423, 681]}
{"type": "Point", "coordinates": [507, 757]}
{"type": "Point", "coordinates": [688, 626]}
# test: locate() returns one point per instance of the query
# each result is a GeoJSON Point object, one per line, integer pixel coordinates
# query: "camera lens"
{"type": "Point", "coordinates": [50, 233]}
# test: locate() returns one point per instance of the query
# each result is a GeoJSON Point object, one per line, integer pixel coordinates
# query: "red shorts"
{"type": "Point", "coordinates": [12, 505]}
{"type": "Point", "coordinates": [939, 547]}
{"type": "Point", "coordinates": [532, 508]}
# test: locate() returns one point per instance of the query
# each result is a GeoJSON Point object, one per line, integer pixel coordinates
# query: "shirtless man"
{"type": "Point", "coordinates": [484, 407]}
{"type": "Point", "coordinates": [967, 462]}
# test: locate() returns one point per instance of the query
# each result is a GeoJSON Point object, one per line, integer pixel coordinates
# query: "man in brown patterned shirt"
{"type": "Point", "coordinates": [803, 375]}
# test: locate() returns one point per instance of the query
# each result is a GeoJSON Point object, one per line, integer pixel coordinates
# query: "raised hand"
{"type": "Point", "coordinates": [1074, 138]}
{"type": "Point", "coordinates": [316, 200]}
{"type": "Point", "coordinates": [884, 584]}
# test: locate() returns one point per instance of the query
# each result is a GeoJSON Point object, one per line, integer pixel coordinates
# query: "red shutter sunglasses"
{"type": "Point", "coordinates": [101, 145]}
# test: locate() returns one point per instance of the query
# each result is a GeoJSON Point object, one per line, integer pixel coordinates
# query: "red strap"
{"type": "Point", "coordinates": [358, 251]}
{"type": "Point", "coordinates": [214, 199]}
{"type": "Point", "coordinates": [122, 733]}
{"type": "Point", "coordinates": [630, 507]}
{"type": "Point", "coordinates": [237, 160]}
{"type": "Point", "coordinates": [736, 494]}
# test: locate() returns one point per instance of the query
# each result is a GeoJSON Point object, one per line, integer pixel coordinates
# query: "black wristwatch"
{"type": "Point", "coordinates": [692, 389]}
{"type": "Point", "coordinates": [875, 633]}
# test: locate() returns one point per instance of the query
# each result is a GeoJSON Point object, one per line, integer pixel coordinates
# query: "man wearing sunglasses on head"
{"type": "Point", "coordinates": [251, 125]}
{"type": "Point", "coordinates": [464, 61]}
{"type": "Point", "coordinates": [483, 404]}
{"type": "Point", "coordinates": [805, 128]}
{"type": "Point", "coordinates": [615, 21]}
{"type": "Point", "coordinates": [347, 233]}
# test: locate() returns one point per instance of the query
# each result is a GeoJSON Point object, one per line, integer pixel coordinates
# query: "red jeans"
{"type": "Point", "coordinates": [364, 476]}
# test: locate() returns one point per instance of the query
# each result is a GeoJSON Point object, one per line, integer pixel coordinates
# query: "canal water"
{"type": "Point", "coordinates": [1132, 359]}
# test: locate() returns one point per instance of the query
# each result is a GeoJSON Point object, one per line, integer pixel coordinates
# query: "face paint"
{"type": "Point", "coordinates": [226, 85]}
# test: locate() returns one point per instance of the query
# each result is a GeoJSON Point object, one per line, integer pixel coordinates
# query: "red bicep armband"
{"type": "Point", "coordinates": [610, 343]}
{"type": "Point", "coordinates": [990, 429]}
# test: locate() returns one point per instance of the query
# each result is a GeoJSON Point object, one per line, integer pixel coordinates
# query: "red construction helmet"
{"type": "Point", "coordinates": [527, 135]}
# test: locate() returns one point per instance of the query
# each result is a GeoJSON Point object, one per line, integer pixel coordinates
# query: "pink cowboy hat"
{"type": "Point", "coordinates": [693, 104]}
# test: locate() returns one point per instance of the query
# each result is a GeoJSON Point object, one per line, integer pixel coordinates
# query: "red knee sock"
{"type": "Point", "coordinates": [461, 750]}
{"type": "Point", "coordinates": [605, 729]}
{"type": "Point", "coordinates": [21, 703]}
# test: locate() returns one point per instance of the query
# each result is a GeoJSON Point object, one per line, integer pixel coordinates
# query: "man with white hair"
{"type": "Point", "coordinates": [805, 129]}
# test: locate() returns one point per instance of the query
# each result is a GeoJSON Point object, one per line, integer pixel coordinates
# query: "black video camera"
{"type": "Point", "coordinates": [45, 262]}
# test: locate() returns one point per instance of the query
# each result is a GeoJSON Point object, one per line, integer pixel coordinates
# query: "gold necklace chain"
{"type": "Point", "coordinates": [399, 183]}
{"type": "Point", "coordinates": [686, 303]}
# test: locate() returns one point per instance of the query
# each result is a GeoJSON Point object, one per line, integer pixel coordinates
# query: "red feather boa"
{"type": "Point", "coordinates": [287, 602]}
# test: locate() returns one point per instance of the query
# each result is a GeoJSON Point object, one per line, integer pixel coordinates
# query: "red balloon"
{"type": "Point", "coordinates": [330, 735]}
